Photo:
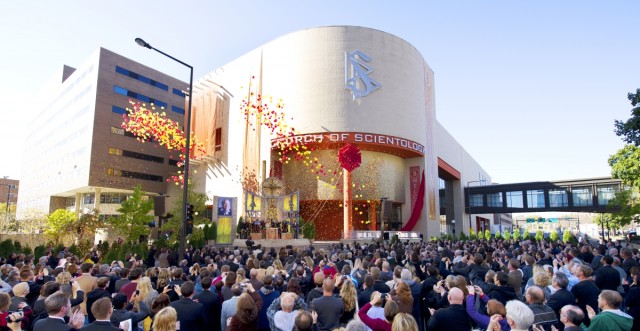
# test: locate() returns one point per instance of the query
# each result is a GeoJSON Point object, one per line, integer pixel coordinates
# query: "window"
{"type": "Point", "coordinates": [582, 196]}
{"type": "Point", "coordinates": [131, 94]}
{"type": "Point", "coordinates": [133, 174]}
{"type": "Point", "coordinates": [115, 198]}
{"type": "Point", "coordinates": [119, 131]}
{"type": "Point", "coordinates": [218, 139]}
{"type": "Point", "coordinates": [115, 151]}
{"type": "Point", "coordinates": [558, 198]}
{"type": "Point", "coordinates": [141, 156]}
{"type": "Point", "coordinates": [535, 199]}
{"type": "Point", "coordinates": [118, 110]}
{"type": "Point", "coordinates": [173, 162]}
{"type": "Point", "coordinates": [476, 200]}
{"type": "Point", "coordinates": [135, 155]}
{"type": "Point", "coordinates": [514, 199]}
{"type": "Point", "coordinates": [494, 199]}
{"type": "Point", "coordinates": [178, 92]}
{"type": "Point", "coordinates": [605, 194]}
{"type": "Point", "coordinates": [177, 110]}
{"type": "Point", "coordinates": [89, 199]}
{"type": "Point", "coordinates": [141, 78]}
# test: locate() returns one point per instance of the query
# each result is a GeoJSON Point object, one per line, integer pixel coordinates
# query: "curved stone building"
{"type": "Point", "coordinates": [324, 88]}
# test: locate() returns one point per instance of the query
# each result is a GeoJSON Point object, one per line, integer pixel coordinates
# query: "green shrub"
{"type": "Point", "coordinates": [463, 237]}
{"type": "Point", "coordinates": [27, 250]}
{"type": "Point", "coordinates": [6, 247]}
{"type": "Point", "coordinates": [39, 251]}
{"type": "Point", "coordinates": [539, 235]}
{"type": "Point", "coordinates": [507, 235]}
{"type": "Point", "coordinates": [480, 235]}
{"type": "Point", "coordinates": [497, 235]}
{"type": "Point", "coordinates": [17, 246]}
{"type": "Point", "coordinates": [487, 234]}
{"type": "Point", "coordinates": [553, 236]}
{"type": "Point", "coordinates": [516, 234]}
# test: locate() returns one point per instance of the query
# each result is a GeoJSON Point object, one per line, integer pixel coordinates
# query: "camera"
{"type": "Point", "coordinates": [19, 319]}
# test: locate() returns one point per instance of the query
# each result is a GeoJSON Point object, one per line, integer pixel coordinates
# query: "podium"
{"type": "Point", "coordinates": [272, 233]}
{"type": "Point", "coordinates": [287, 236]}
{"type": "Point", "coordinates": [256, 235]}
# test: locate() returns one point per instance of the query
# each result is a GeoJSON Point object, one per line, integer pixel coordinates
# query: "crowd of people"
{"type": "Point", "coordinates": [495, 285]}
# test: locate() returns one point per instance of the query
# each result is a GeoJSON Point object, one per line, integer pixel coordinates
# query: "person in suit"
{"type": "Point", "coordinates": [58, 306]}
{"type": "Point", "coordinates": [101, 310]}
{"type": "Point", "coordinates": [87, 283]}
{"type": "Point", "coordinates": [97, 294]}
{"type": "Point", "coordinates": [561, 297]}
{"type": "Point", "coordinates": [225, 208]}
{"type": "Point", "coordinates": [190, 313]}
{"type": "Point", "coordinates": [211, 303]}
{"type": "Point", "coordinates": [120, 313]}
{"type": "Point", "coordinates": [628, 261]}
{"type": "Point", "coordinates": [454, 317]}
{"type": "Point", "coordinates": [606, 277]}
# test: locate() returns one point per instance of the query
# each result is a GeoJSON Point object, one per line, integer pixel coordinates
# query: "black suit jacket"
{"type": "Point", "coordinates": [559, 299]}
{"type": "Point", "coordinates": [190, 314]}
{"type": "Point", "coordinates": [51, 324]}
{"type": "Point", "coordinates": [212, 306]}
{"type": "Point", "coordinates": [453, 318]}
{"type": "Point", "coordinates": [100, 326]}
{"type": "Point", "coordinates": [607, 278]}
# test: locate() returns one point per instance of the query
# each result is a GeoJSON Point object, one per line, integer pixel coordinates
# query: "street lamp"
{"type": "Point", "coordinates": [185, 174]}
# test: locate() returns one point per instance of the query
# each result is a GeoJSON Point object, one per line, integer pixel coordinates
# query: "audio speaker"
{"type": "Point", "coordinates": [387, 209]}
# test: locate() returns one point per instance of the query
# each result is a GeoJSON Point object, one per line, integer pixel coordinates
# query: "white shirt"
{"type": "Point", "coordinates": [285, 321]}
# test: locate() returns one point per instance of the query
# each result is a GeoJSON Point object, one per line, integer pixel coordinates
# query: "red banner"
{"type": "Point", "coordinates": [414, 183]}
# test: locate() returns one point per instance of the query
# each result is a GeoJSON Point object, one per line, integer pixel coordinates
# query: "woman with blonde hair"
{"type": "Point", "coordinates": [165, 320]}
{"type": "Point", "coordinates": [278, 264]}
{"type": "Point", "coordinates": [147, 294]}
{"type": "Point", "coordinates": [404, 322]}
{"type": "Point", "coordinates": [164, 278]}
{"type": "Point", "coordinates": [349, 298]}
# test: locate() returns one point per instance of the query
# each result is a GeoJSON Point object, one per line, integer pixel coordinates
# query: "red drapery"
{"type": "Point", "coordinates": [417, 208]}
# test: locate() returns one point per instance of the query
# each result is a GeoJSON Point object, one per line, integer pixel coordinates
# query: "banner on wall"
{"type": "Point", "coordinates": [225, 229]}
{"type": "Point", "coordinates": [290, 202]}
{"type": "Point", "coordinates": [414, 182]}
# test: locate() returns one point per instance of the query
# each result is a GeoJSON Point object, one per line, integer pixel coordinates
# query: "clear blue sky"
{"type": "Point", "coordinates": [529, 88]}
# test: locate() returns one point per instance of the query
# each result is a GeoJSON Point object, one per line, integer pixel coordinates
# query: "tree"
{"type": "Point", "coordinates": [630, 130]}
{"type": "Point", "coordinates": [516, 234]}
{"type": "Point", "coordinates": [85, 227]}
{"type": "Point", "coordinates": [59, 223]}
{"type": "Point", "coordinates": [507, 235]}
{"type": "Point", "coordinates": [539, 235]}
{"type": "Point", "coordinates": [134, 217]}
{"type": "Point", "coordinates": [566, 236]}
{"type": "Point", "coordinates": [553, 236]}
{"type": "Point", "coordinates": [487, 234]}
{"type": "Point", "coordinates": [198, 200]}
{"type": "Point", "coordinates": [497, 235]}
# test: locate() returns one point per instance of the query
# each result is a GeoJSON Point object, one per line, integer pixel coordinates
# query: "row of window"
{"type": "Point", "coordinates": [123, 132]}
{"type": "Point", "coordinates": [133, 174]}
{"type": "Point", "coordinates": [90, 198]}
{"type": "Point", "coordinates": [142, 78]}
{"type": "Point", "coordinates": [135, 155]}
{"type": "Point", "coordinates": [141, 97]}
{"type": "Point", "coordinates": [582, 196]}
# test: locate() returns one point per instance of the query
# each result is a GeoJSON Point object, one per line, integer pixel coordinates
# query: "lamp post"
{"type": "Point", "coordinates": [185, 173]}
{"type": "Point", "coordinates": [469, 199]}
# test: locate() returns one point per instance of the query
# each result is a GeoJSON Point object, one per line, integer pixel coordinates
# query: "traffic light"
{"type": "Point", "coordinates": [188, 227]}
{"type": "Point", "coordinates": [190, 213]}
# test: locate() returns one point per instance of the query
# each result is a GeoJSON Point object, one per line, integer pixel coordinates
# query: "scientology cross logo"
{"type": "Point", "coordinates": [356, 74]}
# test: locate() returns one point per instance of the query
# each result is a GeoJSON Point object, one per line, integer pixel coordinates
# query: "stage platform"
{"type": "Point", "coordinates": [276, 243]}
